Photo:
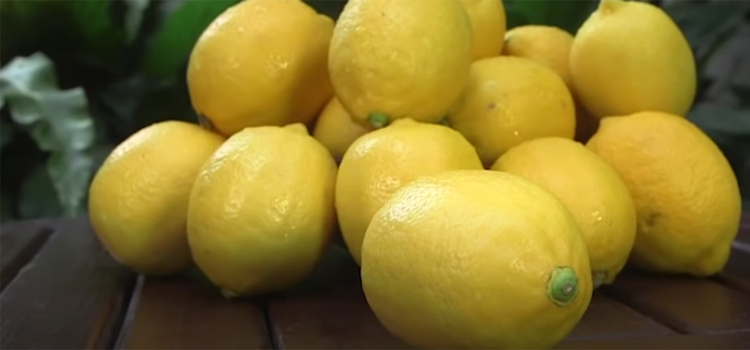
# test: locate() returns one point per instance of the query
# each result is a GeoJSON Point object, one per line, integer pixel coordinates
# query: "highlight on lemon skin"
{"type": "Point", "coordinates": [382, 59]}
{"type": "Point", "coordinates": [488, 26]}
{"type": "Point", "coordinates": [138, 197]}
{"type": "Point", "coordinates": [249, 68]}
{"type": "Point", "coordinates": [655, 68]}
{"type": "Point", "coordinates": [435, 303]}
{"type": "Point", "coordinates": [664, 158]}
{"type": "Point", "coordinates": [335, 129]}
{"type": "Point", "coordinates": [591, 190]}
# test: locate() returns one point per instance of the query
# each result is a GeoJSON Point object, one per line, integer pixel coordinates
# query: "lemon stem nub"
{"type": "Point", "coordinates": [599, 278]}
{"type": "Point", "coordinates": [228, 294]}
{"type": "Point", "coordinates": [378, 120]}
{"type": "Point", "coordinates": [562, 287]}
{"type": "Point", "coordinates": [609, 5]}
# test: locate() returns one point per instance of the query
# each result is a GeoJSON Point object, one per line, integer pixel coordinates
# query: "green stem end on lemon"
{"type": "Point", "coordinates": [562, 287]}
{"type": "Point", "coordinates": [378, 119]}
{"type": "Point", "coordinates": [445, 121]}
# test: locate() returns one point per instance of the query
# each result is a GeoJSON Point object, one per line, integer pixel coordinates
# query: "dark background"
{"type": "Point", "coordinates": [78, 77]}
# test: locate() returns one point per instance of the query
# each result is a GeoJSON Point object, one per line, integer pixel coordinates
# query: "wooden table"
{"type": "Point", "coordinates": [61, 290]}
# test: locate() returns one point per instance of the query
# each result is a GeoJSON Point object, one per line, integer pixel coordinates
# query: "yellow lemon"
{"type": "Point", "coordinates": [510, 100]}
{"type": "Point", "coordinates": [335, 129]}
{"type": "Point", "coordinates": [261, 62]}
{"type": "Point", "coordinates": [547, 45]}
{"type": "Point", "coordinates": [261, 212]}
{"type": "Point", "coordinates": [629, 56]}
{"type": "Point", "coordinates": [488, 25]}
{"type": "Point", "coordinates": [686, 196]}
{"type": "Point", "coordinates": [550, 46]}
{"type": "Point", "coordinates": [392, 59]}
{"type": "Point", "coordinates": [590, 188]}
{"type": "Point", "coordinates": [476, 259]}
{"type": "Point", "coordinates": [138, 197]}
{"type": "Point", "coordinates": [380, 162]}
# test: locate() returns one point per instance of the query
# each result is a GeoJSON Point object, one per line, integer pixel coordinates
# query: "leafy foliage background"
{"type": "Point", "coordinates": [78, 77]}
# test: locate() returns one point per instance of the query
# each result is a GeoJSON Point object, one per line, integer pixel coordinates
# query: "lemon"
{"type": "Point", "coordinates": [510, 100]}
{"type": "Point", "coordinates": [686, 196]}
{"type": "Point", "coordinates": [261, 212]}
{"type": "Point", "coordinates": [335, 129]}
{"type": "Point", "coordinates": [261, 62]}
{"type": "Point", "coordinates": [138, 197]}
{"type": "Point", "coordinates": [380, 162]}
{"type": "Point", "coordinates": [392, 59]}
{"type": "Point", "coordinates": [550, 46]}
{"type": "Point", "coordinates": [629, 56]}
{"type": "Point", "coordinates": [544, 44]}
{"type": "Point", "coordinates": [590, 188]}
{"type": "Point", "coordinates": [488, 25]}
{"type": "Point", "coordinates": [476, 259]}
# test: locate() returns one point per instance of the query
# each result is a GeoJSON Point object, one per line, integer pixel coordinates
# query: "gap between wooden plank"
{"type": "Point", "coordinates": [686, 304]}
{"type": "Point", "coordinates": [19, 244]}
{"type": "Point", "coordinates": [731, 340]}
{"type": "Point", "coordinates": [129, 315]}
{"type": "Point", "coordinates": [274, 338]}
{"type": "Point", "coordinates": [180, 312]}
{"type": "Point", "coordinates": [69, 295]}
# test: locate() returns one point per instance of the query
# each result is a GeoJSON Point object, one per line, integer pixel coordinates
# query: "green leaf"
{"type": "Point", "coordinates": [7, 131]}
{"type": "Point", "coordinates": [139, 100]}
{"type": "Point", "coordinates": [22, 24]}
{"type": "Point", "coordinates": [565, 14]}
{"type": "Point", "coordinates": [123, 100]}
{"type": "Point", "coordinates": [707, 25]}
{"type": "Point", "coordinates": [6, 207]}
{"type": "Point", "coordinates": [743, 94]}
{"type": "Point", "coordinates": [93, 23]}
{"type": "Point", "coordinates": [171, 45]}
{"type": "Point", "coordinates": [729, 128]}
{"type": "Point", "coordinates": [57, 120]}
{"type": "Point", "coordinates": [330, 8]}
{"type": "Point", "coordinates": [38, 198]}
{"type": "Point", "coordinates": [721, 119]}
{"type": "Point", "coordinates": [134, 17]}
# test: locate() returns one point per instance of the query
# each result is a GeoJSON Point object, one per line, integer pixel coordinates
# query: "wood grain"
{"type": "Point", "coordinates": [737, 340]}
{"type": "Point", "coordinates": [686, 304]}
{"type": "Point", "coordinates": [182, 313]}
{"type": "Point", "coordinates": [70, 296]}
{"type": "Point", "coordinates": [19, 242]}
{"type": "Point", "coordinates": [608, 318]}
{"type": "Point", "coordinates": [335, 314]}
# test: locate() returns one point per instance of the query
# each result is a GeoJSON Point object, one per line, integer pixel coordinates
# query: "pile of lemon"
{"type": "Point", "coordinates": [486, 180]}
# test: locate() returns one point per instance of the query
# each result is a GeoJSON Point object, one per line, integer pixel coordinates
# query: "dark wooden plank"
{"type": "Point", "coordinates": [736, 340]}
{"type": "Point", "coordinates": [71, 295]}
{"type": "Point", "coordinates": [742, 241]}
{"type": "Point", "coordinates": [736, 273]}
{"type": "Point", "coordinates": [330, 312]}
{"type": "Point", "coordinates": [183, 313]}
{"type": "Point", "coordinates": [337, 320]}
{"type": "Point", "coordinates": [19, 242]}
{"type": "Point", "coordinates": [607, 318]}
{"type": "Point", "coordinates": [686, 304]}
